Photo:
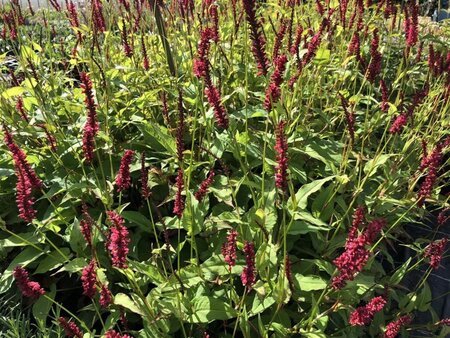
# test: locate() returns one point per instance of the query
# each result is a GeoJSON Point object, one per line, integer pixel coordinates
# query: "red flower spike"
{"type": "Point", "coordinates": [105, 296]}
{"type": "Point", "coordinates": [229, 249]}
{"type": "Point", "coordinates": [114, 334]}
{"type": "Point", "coordinates": [363, 315]}
{"type": "Point", "coordinates": [91, 126]}
{"type": "Point", "coordinates": [145, 189]}
{"type": "Point", "coordinates": [434, 251]}
{"type": "Point", "coordinates": [256, 36]}
{"type": "Point", "coordinates": [89, 279]}
{"type": "Point", "coordinates": [86, 225]}
{"type": "Point", "coordinates": [411, 24]}
{"type": "Point", "coordinates": [393, 328]}
{"type": "Point", "coordinates": [433, 163]}
{"type": "Point", "coordinates": [398, 124]}
{"type": "Point", "coordinates": [248, 276]}
{"type": "Point", "coordinates": [179, 201]}
{"type": "Point", "coordinates": [118, 240]}
{"type": "Point", "coordinates": [97, 16]}
{"type": "Point", "coordinates": [21, 109]}
{"type": "Point", "coordinates": [279, 40]}
{"type": "Point", "coordinates": [27, 287]}
{"type": "Point", "coordinates": [273, 91]}
{"type": "Point", "coordinates": [298, 39]}
{"type": "Point", "coordinates": [203, 190]}
{"type": "Point", "coordinates": [125, 44]}
{"type": "Point", "coordinates": [355, 256]}
{"type": "Point", "coordinates": [70, 328]}
{"type": "Point", "coordinates": [288, 272]}
{"type": "Point", "coordinates": [384, 97]}
{"type": "Point", "coordinates": [374, 67]}
{"type": "Point", "coordinates": [445, 321]}
{"type": "Point", "coordinates": [145, 61]}
{"type": "Point", "coordinates": [123, 178]}
{"type": "Point", "coordinates": [358, 220]}
{"type": "Point", "coordinates": [281, 150]}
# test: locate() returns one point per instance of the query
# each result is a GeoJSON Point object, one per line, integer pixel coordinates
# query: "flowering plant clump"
{"type": "Point", "coordinates": [217, 168]}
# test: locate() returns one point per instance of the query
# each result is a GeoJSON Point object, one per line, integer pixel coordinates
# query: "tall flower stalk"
{"type": "Point", "coordinates": [256, 36]}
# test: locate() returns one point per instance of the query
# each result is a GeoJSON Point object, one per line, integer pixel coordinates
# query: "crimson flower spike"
{"type": "Point", "coordinates": [28, 288]}
{"type": "Point", "coordinates": [229, 249]}
{"type": "Point", "coordinates": [363, 315]}
{"type": "Point", "coordinates": [355, 256]}
{"type": "Point", "coordinates": [394, 327]}
{"type": "Point", "coordinates": [279, 39]}
{"type": "Point", "coordinates": [374, 67]}
{"type": "Point", "coordinates": [256, 36]}
{"type": "Point", "coordinates": [411, 24]}
{"type": "Point", "coordinates": [273, 91]}
{"type": "Point", "coordinates": [281, 149]}
{"type": "Point", "coordinates": [434, 251]}
{"type": "Point", "coordinates": [145, 189]}
{"type": "Point", "coordinates": [433, 162]}
{"type": "Point", "coordinates": [384, 97]}
{"type": "Point", "coordinates": [89, 279]}
{"type": "Point", "coordinates": [70, 328]}
{"type": "Point", "coordinates": [126, 45]}
{"type": "Point", "coordinates": [86, 224]}
{"type": "Point", "coordinates": [91, 126]}
{"type": "Point", "coordinates": [349, 116]}
{"type": "Point", "coordinates": [203, 190]}
{"type": "Point", "coordinates": [123, 179]}
{"type": "Point", "coordinates": [145, 61]}
{"type": "Point", "coordinates": [118, 240]}
{"type": "Point", "coordinates": [179, 201]}
{"type": "Point", "coordinates": [248, 276]}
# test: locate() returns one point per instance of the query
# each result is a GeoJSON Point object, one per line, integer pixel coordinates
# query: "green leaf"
{"type": "Point", "coordinates": [137, 218]}
{"type": "Point", "coordinates": [43, 305]}
{"type": "Point", "coordinates": [158, 137]}
{"type": "Point", "coordinates": [301, 197]}
{"type": "Point", "coordinates": [266, 260]}
{"type": "Point", "coordinates": [259, 304]}
{"type": "Point", "coordinates": [207, 309]}
{"type": "Point", "coordinates": [13, 92]}
{"type": "Point", "coordinates": [22, 239]}
{"type": "Point", "coordinates": [52, 261]}
{"type": "Point", "coordinates": [313, 334]}
{"type": "Point", "coordinates": [372, 165]}
{"type": "Point", "coordinates": [75, 265]}
{"type": "Point", "coordinates": [135, 305]}
{"type": "Point", "coordinates": [400, 273]}
{"type": "Point", "coordinates": [309, 283]}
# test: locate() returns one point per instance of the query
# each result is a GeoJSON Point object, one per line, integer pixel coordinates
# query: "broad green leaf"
{"type": "Point", "coordinates": [52, 261]}
{"type": "Point", "coordinates": [43, 305]}
{"type": "Point", "coordinates": [372, 165]}
{"type": "Point", "coordinates": [128, 303]}
{"type": "Point", "coordinates": [158, 136]}
{"type": "Point", "coordinates": [137, 218]}
{"type": "Point", "coordinates": [309, 283]}
{"type": "Point", "coordinates": [13, 92]}
{"type": "Point", "coordinates": [259, 304]}
{"type": "Point", "coordinates": [301, 197]}
{"type": "Point", "coordinates": [207, 309]}
{"type": "Point", "coordinates": [306, 216]}
{"type": "Point", "coordinates": [22, 239]}
{"type": "Point", "coordinates": [74, 265]}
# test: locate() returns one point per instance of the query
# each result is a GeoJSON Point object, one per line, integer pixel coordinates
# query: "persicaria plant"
{"type": "Point", "coordinates": [217, 168]}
